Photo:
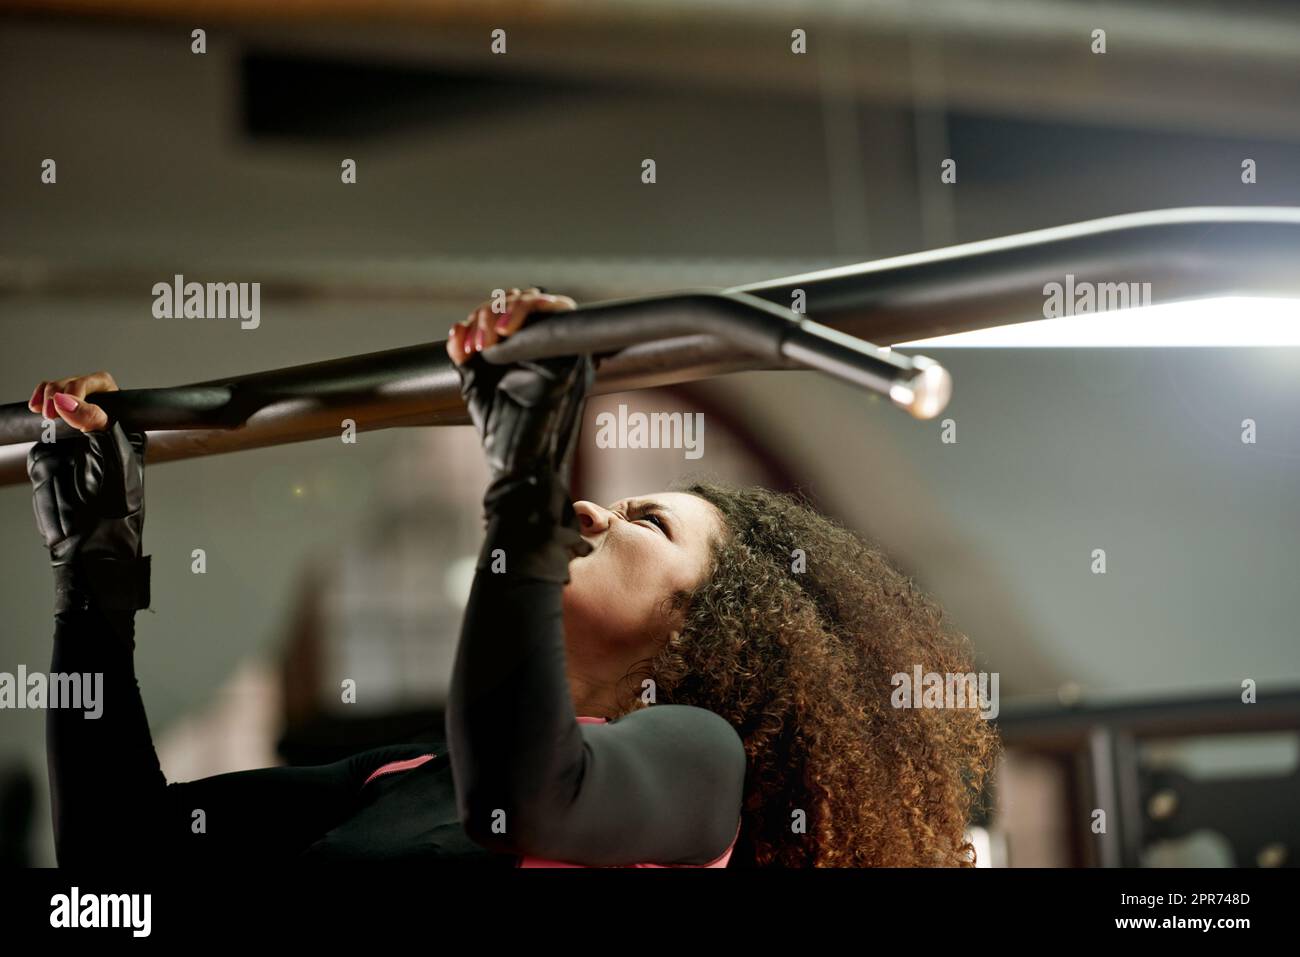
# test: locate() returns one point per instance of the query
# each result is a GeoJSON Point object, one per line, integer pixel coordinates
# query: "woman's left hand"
{"type": "Point", "coordinates": [484, 327]}
{"type": "Point", "coordinates": [528, 414]}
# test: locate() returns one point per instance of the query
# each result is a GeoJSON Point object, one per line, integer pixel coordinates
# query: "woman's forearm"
{"type": "Point", "coordinates": [111, 801]}
{"type": "Point", "coordinates": [106, 786]}
{"type": "Point", "coordinates": [516, 748]}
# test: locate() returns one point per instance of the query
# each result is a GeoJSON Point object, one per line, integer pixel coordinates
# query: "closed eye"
{"type": "Point", "coordinates": [648, 513]}
{"type": "Point", "coordinates": [657, 520]}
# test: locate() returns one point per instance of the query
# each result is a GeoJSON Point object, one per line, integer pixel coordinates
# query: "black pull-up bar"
{"type": "Point", "coordinates": [749, 325]}
{"type": "Point", "coordinates": [1181, 253]}
{"type": "Point", "coordinates": [393, 388]}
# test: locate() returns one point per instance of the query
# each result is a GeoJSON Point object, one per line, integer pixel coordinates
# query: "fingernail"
{"type": "Point", "coordinates": [478, 338]}
{"type": "Point", "coordinates": [65, 402]}
{"type": "Point", "coordinates": [502, 322]}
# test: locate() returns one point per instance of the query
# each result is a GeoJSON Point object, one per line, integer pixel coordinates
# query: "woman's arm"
{"type": "Point", "coordinates": [663, 785]}
{"type": "Point", "coordinates": [111, 802]}
{"type": "Point", "coordinates": [109, 798]}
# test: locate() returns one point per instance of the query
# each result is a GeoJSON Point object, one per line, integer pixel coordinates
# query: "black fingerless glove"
{"type": "Point", "coordinates": [88, 494]}
{"type": "Point", "coordinates": [529, 415]}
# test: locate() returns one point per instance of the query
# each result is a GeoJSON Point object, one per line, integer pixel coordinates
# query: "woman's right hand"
{"type": "Point", "coordinates": [64, 398]}
{"type": "Point", "coordinates": [88, 494]}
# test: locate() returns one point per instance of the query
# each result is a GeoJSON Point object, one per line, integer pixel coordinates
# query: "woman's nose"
{"type": "Point", "coordinates": [594, 519]}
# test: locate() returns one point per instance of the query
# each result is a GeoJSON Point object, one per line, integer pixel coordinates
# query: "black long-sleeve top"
{"type": "Point", "coordinates": [519, 779]}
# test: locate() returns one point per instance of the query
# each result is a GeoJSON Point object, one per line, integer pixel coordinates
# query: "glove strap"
{"type": "Point", "coordinates": [108, 584]}
{"type": "Point", "coordinates": [531, 518]}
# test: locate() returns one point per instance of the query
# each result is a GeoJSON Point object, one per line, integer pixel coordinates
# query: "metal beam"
{"type": "Point", "coordinates": [1182, 253]}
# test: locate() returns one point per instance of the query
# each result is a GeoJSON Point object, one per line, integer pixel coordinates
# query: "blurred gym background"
{"type": "Point", "coordinates": [476, 170]}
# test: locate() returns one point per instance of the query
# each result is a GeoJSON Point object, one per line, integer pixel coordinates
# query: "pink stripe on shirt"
{"type": "Point", "coordinates": [392, 766]}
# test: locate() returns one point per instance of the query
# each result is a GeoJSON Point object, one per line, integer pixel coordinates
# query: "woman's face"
{"type": "Point", "coordinates": [644, 549]}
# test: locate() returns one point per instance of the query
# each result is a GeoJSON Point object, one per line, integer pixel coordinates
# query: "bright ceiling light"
{"type": "Point", "coordinates": [1229, 321]}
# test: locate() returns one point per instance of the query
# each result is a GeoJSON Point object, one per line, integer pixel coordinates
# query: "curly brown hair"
{"type": "Point", "coordinates": [800, 662]}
